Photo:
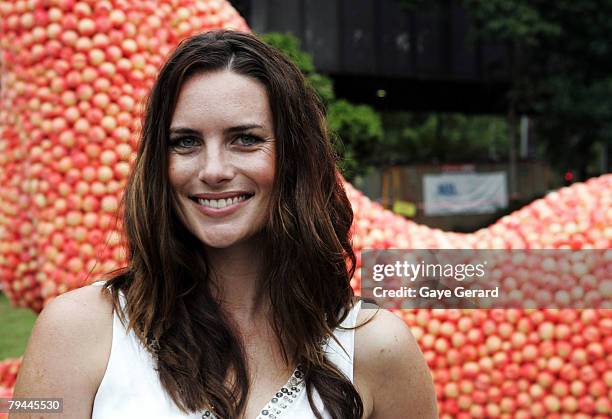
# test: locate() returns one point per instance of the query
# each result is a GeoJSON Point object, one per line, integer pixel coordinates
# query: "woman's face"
{"type": "Point", "coordinates": [222, 156]}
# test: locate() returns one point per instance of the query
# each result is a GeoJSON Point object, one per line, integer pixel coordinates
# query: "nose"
{"type": "Point", "coordinates": [215, 164]}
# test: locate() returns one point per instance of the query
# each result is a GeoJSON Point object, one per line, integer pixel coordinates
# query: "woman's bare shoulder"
{"type": "Point", "coordinates": [68, 349]}
{"type": "Point", "coordinates": [391, 368]}
{"type": "Point", "coordinates": [86, 311]}
{"type": "Point", "coordinates": [93, 297]}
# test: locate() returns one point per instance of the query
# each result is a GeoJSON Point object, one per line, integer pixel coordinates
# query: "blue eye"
{"type": "Point", "coordinates": [248, 140]}
{"type": "Point", "coordinates": [183, 142]}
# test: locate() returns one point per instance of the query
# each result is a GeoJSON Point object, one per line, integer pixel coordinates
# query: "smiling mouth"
{"type": "Point", "coordinates": [221, 203]}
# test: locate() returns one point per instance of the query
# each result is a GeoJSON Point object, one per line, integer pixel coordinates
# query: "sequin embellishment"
{"type": "Point", "coordinates": [281, 401]}
{"type": "Point", "coordinates": [284, 398]}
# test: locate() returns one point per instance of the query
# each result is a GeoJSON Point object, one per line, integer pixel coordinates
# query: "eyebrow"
{"type": "Point", "coordinates": [230, 130]}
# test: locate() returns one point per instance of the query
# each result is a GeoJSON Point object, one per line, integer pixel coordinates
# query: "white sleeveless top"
{"type": "Point", "coordinates": [131, 388]}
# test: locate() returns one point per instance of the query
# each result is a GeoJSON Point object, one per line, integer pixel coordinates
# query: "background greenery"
{"type": "Point", "coordinates": [15, 328]}
{"type": "Point", "coordinates": [561, 71]}
{"type": "Point", "coordinates": [364, 138]}
{"type": "Point", "coordinates": [355, 129]}
{"type": "Point", "coordinates": [561, 75]}
{"type": "Point", "coordinates": [442, 138]}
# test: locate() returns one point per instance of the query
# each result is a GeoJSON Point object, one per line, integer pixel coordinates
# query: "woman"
{"type": "Point", "coordinates": [237, 228]}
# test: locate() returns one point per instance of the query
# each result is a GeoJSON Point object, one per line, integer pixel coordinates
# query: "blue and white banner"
{"type": "Point", "coordinates": [464, 193]}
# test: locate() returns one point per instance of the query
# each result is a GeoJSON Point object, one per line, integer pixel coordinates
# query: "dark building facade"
{"type": "Point", "coordinates": [382, 54]}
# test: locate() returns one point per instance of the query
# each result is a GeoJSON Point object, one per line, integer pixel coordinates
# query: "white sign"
{"type": "Point", "coordinates": [464, 193]}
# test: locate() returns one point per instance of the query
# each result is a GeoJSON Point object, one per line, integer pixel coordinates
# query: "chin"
{"type": "Point", "coordinates": [218, 244]}
{"type": "Point", "coordinates": [225, 241]}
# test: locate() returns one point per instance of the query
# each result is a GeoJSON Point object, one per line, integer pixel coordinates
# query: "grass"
{"type": "Point", "coordinates": [15, 328]}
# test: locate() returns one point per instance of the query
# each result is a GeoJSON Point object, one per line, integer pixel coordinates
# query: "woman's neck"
{"type": "Point", "coordinates": [236, 272]}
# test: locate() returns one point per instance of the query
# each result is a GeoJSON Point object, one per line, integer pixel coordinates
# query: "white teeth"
{"type": "Point", "coordinates": [221, 203]}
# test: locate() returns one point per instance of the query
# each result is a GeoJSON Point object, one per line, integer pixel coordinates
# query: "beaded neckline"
{"type": "Point", "coordinates": [282, 400]}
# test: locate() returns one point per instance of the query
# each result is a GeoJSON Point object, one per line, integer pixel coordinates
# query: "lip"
{"type": "Point", "coordinates": [221, 195]}
{"type": "Point", "coordinates": [221, 212]}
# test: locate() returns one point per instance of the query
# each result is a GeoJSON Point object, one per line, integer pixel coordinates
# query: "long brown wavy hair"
{"type": "Point", "coordinates": [307, 252]}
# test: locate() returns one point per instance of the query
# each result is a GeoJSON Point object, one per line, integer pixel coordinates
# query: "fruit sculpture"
{"type": "Point", "coordinates": [8, 374]}
{"type": "Point", "coordinates": [74, 77]}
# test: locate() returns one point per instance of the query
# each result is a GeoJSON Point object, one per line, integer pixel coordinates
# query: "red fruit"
{"type": "Point", "coordinates": [78, 116]}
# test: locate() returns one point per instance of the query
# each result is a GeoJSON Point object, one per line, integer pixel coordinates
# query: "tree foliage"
{"type": "Point", "coordinates": [442, 138]}
{"type": "Point", "coordinates": [561, 56]}
{"type": "Point", "coordinates": [355, 129]}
